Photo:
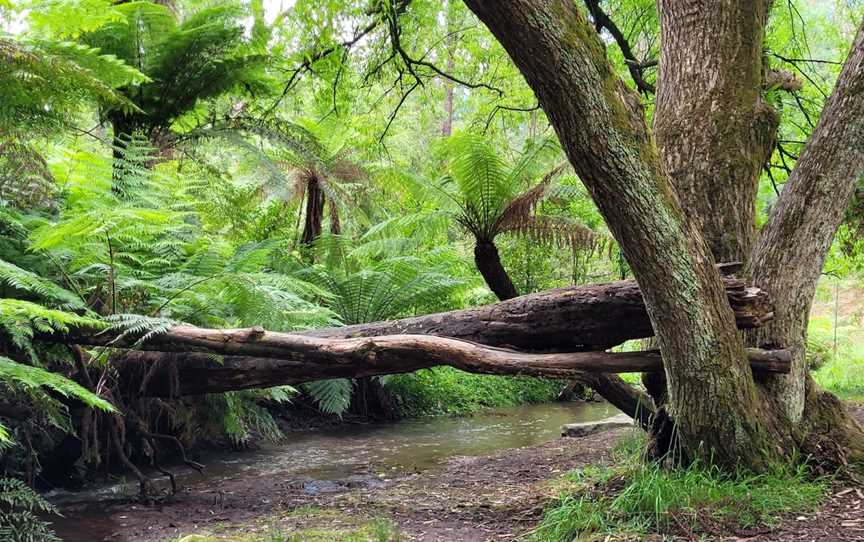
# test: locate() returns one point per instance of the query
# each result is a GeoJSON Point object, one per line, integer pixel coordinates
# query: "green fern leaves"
{"type": "Point", "coordinates": [29, 376]}
{"type": "Point", "coordinates": [19, 506]}
{"type": "Point", "coordinates": [332, 396]}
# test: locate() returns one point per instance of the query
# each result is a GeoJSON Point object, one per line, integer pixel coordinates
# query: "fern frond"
{"type": "Point", "coordinates": [560, 231]}
{"type": "Point", "coordinates": [35, 377]}
{"type": "Point", "coordinates": [141, 328]}
{"type": "Point", "coordinates": [25, 281]}
{"type": "Point", "coordinates": [332, 396]}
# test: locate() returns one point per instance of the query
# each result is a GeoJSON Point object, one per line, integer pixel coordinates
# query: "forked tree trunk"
{"type": "Point", "coordinates": [789, 255]}
{"type": "Point", "coordinates": [715, 132]}
{"type": "Point", "coordinates": [712, 129]}
{"type": "Point", "coordinates": [720, 413]}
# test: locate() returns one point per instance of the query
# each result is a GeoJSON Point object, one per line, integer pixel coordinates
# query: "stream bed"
{"type": "Point", "coordinates": [332, 459]}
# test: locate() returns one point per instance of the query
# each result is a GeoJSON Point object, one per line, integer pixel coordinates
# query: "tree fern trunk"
{"type": "Point", "coordinates": [314, 212]}
{"type": "Point", "coordinates": [489, 264]}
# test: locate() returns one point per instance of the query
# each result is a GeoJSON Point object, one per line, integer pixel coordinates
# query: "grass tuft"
{"type": "Point", "coordinates": [635, 499]}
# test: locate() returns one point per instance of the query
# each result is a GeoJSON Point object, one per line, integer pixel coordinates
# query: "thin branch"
{"type": "Point", "coordinates": [404, 97]}
{"type": "Point", "coordinates": [306, 66]}
{"type": "Point", "coordinates": [411, 63]}
{"type": "Point", "coordinates": [634, 66]}
{"type": "Point", "coordinates": [499, 107]}
{"type": "Point", "coordinates": [810, 60]}
{"type": "Point", "coordinates": [803, 73]}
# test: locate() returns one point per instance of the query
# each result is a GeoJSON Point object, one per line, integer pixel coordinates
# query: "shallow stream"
{"type": "Point", "coordinates": [328, 459]}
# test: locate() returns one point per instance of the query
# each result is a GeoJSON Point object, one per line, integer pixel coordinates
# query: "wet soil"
{"type": "Point", "coordinates": [492, 497]}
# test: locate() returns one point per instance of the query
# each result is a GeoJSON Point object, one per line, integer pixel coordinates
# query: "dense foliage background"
{"type": "Point", "coordinates": [232, 164]}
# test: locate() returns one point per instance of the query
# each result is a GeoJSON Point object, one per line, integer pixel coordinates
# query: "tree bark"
{"type": "Point", "coordinates": [488, 262]}
{"type": "Point", "coordinates": [790, 253]}
{"type": "Point", "coordinates": [713, 130]}
{"type": "Point", "coordinates": [601, 127]}
{"type": "Point", "coordinates": [575, 318]}
{"type": "Point", "coordinates": [314, 212]}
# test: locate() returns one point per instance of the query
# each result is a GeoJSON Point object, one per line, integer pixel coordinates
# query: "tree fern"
{"type": "Point", "coordinates": [187, 60]}
{"type": "Point", "coordinates": [42, 82]}
{"type": "Point", "coordinates": [303, 160]}
{"type": "Point", "coordinates": [365, 291]}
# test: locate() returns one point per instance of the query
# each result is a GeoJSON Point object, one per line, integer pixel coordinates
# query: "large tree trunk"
{"type": "Point", "coordinates": [488, 262]}
{"type": "Point", "coordinates": [602, 129]}
{"type": "Point", "coordinates": [712, 128]}
{"type": "Point", "coordinates": [719, 412]}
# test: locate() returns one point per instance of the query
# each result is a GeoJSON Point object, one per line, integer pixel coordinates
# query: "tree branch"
{"type": "Point", "coordinates": [634, 66]}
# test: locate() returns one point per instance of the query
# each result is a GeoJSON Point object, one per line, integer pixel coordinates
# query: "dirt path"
{"type": "Point", "coordinates": [490, 498]}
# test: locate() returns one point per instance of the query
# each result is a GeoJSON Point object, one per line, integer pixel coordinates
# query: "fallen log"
{"type": "Point", "coordinates": [272, 359]}
{"type": "Point", "coordinates": [572, 319]}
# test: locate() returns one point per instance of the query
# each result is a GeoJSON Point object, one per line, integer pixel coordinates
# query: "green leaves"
{"type": "Point", "coordinates": [29, 376]}
{"type": "Point", "coordinates": [185, 61]}
{"type": "Point", "coordinates": [27, 282]}
{"type": "Point", "coordinates": [20, 320]}
{"type": "Point", "coordinates": [332, 396]}
{"type": "Point", "coordinates": [19, 506]}
{"type": "Point", "coordinates": [43, 83]}
{"type": "Point", "coordinates": [391, 288]}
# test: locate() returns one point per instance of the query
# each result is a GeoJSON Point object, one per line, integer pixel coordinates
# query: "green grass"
{"type": "Point", "coordinates": [444, 390]}
{"type": "Point", "coordinates": [841, 373]}
{"type": "Point", "coordinates": [634, 499]}
{"type": "Point", "coordinates": [836, 337]}
{"type": "Point", "coordinates": [376, 530]}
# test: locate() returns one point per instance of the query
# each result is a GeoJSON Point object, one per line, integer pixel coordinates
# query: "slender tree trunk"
{"type": "Point", "coordinates": [450, 42]}
{"type": "Point", "coordinates": [489, 264]}
{"type": "Point", "coordinates": [314, 212]}
{"type": "Point", "coordinates": [602, 129]}
{"type": "Point", "coordinates": [447, 125]}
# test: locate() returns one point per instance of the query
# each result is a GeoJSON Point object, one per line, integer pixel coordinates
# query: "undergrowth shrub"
{"type": "Point", "coordinates": [444, 390]}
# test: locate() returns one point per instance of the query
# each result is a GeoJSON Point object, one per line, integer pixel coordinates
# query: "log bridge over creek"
{"type": "Point", "coordinates": [562, 333]}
